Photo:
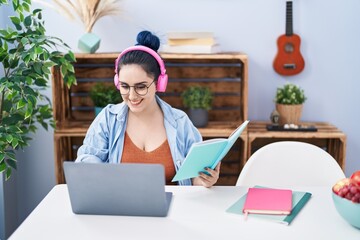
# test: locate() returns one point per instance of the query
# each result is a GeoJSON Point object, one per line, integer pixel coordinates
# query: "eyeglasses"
{"type": "Point", "coordinates": [141, 89]}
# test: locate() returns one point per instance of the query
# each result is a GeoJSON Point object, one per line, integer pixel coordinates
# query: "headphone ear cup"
{"type": "Point", "coordinates": [116, 81]}
{"type": "Point", "coordinates": [162, 83]}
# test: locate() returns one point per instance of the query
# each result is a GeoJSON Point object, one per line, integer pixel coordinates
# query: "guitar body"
{"type": "Point", "coordinates": [288, 60]}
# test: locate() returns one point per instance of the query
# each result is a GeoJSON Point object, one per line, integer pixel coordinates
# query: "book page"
{"type": "Point", "coordinates": [230, 141]}
{"type": "Point", "coordinates": [243, 125]}
{"type": "Point", "coordinates": [208, 141]}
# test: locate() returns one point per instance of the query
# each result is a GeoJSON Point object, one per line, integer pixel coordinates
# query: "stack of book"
{"type": "Point", "coordinates": [190, 42]}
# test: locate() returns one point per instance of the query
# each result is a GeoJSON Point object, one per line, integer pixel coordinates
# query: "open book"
{"type": "Point", "coordinates": [207, 153]}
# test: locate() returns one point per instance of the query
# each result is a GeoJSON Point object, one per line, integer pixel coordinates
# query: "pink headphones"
{"type": "Point", "coordinates": [163, 78]}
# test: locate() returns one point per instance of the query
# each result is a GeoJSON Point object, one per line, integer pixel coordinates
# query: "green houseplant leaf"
{"type": "Point", "coordinates": [27, 56]}
{"type": "Point", "coordinates": [102, 95]}
{"type": "Point", "coordinates": [196, 97]}
{"type": "Point", "coordinates": [290, 94]}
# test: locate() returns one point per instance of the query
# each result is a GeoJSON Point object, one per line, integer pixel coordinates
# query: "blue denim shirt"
{"type": "Point", "coordinates": [104, 139]}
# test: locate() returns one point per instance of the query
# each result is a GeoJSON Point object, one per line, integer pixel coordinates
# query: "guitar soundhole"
{"type": "Point", "coordinates": [289, 47]}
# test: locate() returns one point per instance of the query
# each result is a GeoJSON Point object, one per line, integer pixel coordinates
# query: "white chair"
{"type": "Point", "coordinates": [289, 164]}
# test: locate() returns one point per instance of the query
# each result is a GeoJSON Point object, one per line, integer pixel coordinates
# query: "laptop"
{"type": "Point", "coordinates": [117, 189]}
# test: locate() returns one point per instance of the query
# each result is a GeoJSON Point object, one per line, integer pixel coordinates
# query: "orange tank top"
{"type": "Point", "coordinates": [161, 155]}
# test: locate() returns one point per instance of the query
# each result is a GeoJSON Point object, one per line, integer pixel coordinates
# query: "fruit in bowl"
{"type": "Point", "coordinates": [356, 177]}
{"type": "Point", "coordinates": [346, 197]}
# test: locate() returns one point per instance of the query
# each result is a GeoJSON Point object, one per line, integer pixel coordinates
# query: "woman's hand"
{"type": "Point", "coordinates": [207, 180]}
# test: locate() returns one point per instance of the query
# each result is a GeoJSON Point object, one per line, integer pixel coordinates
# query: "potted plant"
{"type": "Point", "coordinates": [27, 57]}
{"type": "Point", "coordinates": [102, 95]}
{"type": "Point", "coordinates": [289, 101]}
{"type": "Point", "coordinates": [198, 100]}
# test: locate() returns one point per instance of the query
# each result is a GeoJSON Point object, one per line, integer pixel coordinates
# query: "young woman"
{"type": "Point", "coordinates": [143, 128]}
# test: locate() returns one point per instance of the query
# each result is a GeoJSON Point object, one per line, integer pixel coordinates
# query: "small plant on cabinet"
{"type": "Point", "coordinates": [102, 95]}
{"type": "Point", "coordinates": [198, 100]}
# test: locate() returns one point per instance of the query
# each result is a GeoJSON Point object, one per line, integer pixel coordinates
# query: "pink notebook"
{"type": "Point", "coordinates": [268, 201]}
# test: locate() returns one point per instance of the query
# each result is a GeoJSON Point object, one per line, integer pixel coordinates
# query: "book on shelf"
{"type": "Point", "coordinates": [191, 41]}
{"type": "Point", "coordinates": [299, 200]}
{"type": "Point", "coordinates": [205, 49]}
{"type": "Point", "coordinates": [207, 153]}
{"type": "Point", "coordinates": [268, 201]}
{"type": "Point", "coordinates": [188, 35]}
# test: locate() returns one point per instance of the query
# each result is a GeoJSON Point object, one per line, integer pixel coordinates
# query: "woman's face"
{"type": "Point", "coordinates": [134, 76]}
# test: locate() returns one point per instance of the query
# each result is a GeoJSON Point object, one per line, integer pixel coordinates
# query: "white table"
{"type": "Point", "coordinates": [195, 213]}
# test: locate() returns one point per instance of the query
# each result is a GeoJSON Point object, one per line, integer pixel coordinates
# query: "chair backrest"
{"type": "Point", "coordinates": [289, 164]}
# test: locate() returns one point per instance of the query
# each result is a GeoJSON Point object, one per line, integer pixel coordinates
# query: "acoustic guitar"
{"type": "Point", "coordinates": [288, 60]}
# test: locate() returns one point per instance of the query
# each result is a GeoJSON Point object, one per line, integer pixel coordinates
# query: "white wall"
{"type": "Point", "coordinates": [8, 189]}
{"type": "Point", "coordinates": [330, 45]}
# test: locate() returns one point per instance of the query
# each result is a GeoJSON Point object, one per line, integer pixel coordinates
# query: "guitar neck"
{"type": "Point", "coordinates": [289, 19]}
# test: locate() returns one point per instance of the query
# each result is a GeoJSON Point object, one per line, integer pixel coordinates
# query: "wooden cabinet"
{"type": "Point", "coordinates": [327, 136]}
{"type": "Point", "coordinates": [226, 74]}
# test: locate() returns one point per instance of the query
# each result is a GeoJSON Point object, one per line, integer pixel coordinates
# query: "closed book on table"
{"type": "Point", "coordinates": [268, 201]}
{"type": "Point", "coordinates": [299, 200]}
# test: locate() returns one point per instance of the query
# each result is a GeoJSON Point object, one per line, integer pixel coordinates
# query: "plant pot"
{"type": "Point", "coordinates": [199, 117]}
{"type": "Point", "coordinates": [289, 113]}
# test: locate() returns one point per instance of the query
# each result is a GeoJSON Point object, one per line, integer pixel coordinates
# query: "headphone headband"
{"type": "Point", "coordinates": [144, 49]}
{"type": "Point", "coordinates": [162, 79]}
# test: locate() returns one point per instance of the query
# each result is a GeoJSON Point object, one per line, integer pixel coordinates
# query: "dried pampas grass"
{"type": "Point", "coordinates": [89, 11]}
